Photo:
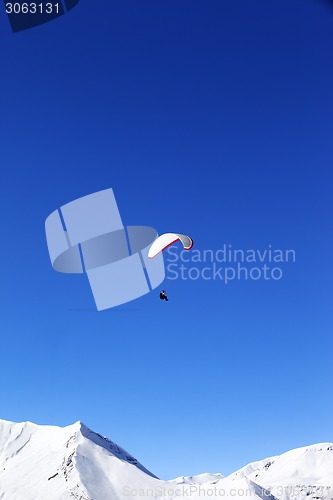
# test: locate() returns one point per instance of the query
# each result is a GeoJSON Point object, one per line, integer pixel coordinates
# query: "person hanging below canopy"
{"type": "Point", "coordinates": [163, 295]}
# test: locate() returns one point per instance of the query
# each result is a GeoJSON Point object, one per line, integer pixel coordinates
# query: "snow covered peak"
{"type": "Point", "coordinates": [74, 462]}
{"type": "Point", "coordinates": [50, 463]}
{"type": "Point", "coordinates": [111, 447]}
{"type": "Point", "coordinates": [303, 472]}
{"type": "Point", "coordinates": [317, 458]}
{"type": "Point", "coordinates": [199, 479]}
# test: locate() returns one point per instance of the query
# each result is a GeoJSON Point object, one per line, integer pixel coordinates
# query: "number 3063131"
{"type": "Point", "coordinates": [32, 8]}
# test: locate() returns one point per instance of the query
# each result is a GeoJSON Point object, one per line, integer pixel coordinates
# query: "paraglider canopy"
{"type": "Point", "coordinates": [167, 239]}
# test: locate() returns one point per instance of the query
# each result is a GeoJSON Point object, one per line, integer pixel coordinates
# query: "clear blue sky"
{"type": "Point", "coordinates": [211, 117]}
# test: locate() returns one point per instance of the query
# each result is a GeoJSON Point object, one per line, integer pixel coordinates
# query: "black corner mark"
{"type": "Point", "coordinates": [329, 3]}
{"type": "Point", "coordinates": [26, 14]}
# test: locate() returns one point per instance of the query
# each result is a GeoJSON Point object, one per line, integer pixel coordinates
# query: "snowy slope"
{"type": "Point", "coordinates": [302, 473]}
{"type": "Point", "coordinates": [199, 479]}
{"type": "Point", "coordinates": [53, 463]}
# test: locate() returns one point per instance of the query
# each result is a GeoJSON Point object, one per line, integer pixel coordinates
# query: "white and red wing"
{"type": "Point", "coordinates": [167, 239]}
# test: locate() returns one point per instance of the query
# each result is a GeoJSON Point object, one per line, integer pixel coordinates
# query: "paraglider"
{"type": "Point", "coordinates": [163, 295]}
{"type": "Point", "coordinates": [163, 242]}
{"type": "Point", "coordinates": [167, 239]}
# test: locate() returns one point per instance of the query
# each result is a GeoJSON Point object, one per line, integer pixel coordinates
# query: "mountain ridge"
{"type": "Point", "coordinates": [64, 463]}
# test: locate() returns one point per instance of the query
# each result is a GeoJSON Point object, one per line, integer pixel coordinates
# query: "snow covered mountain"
{"type": "Point", "coordinates": [302, 473]}
{"type": "Point", "coordinates": [53, 463]}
